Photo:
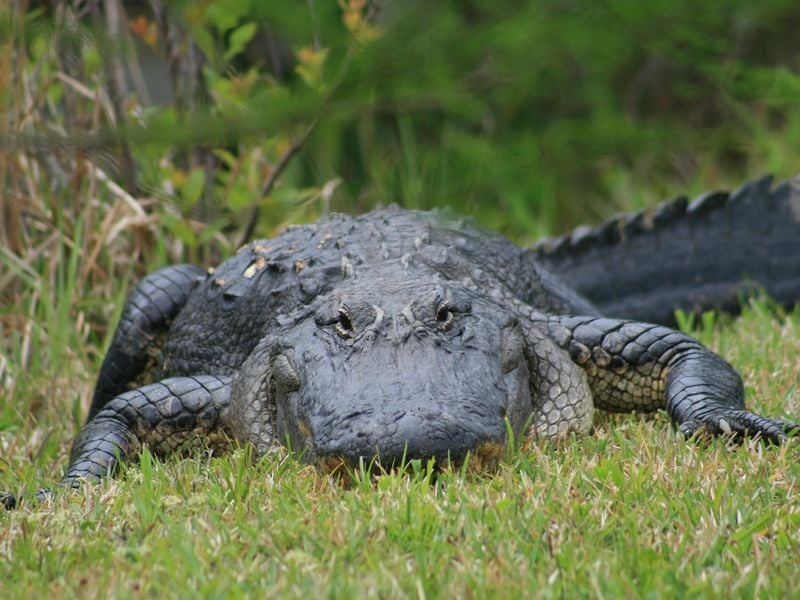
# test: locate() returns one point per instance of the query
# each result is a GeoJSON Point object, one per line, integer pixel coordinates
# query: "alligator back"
{"type": "Point", "coordinates": [694, 256]}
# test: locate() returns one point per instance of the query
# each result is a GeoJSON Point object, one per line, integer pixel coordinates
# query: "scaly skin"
{"type": "Point", "coordinates": [152, 305]}
{"type": "Point", "coordinates": [166, 416]}
{"type": "Point", "coordinates": [694, 255]}
{"type": "Point", "coordinates": [394, 335]}
{"type": "Point", "coordinates": [640, 366]}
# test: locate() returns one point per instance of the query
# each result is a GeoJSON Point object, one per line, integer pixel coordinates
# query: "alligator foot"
{"type": "Point", "coordinates": [166, 416]}
{"type": "Point", "coordinates": [722, 420]}
{"type": "Point", "coordinates": [8, 501]}
{"type": "Point", "coordinates": [11, 502]}
{"type": "Point", "coordinates": [640, 366]}
{"type": "Point", "coordinates": [704, 393]}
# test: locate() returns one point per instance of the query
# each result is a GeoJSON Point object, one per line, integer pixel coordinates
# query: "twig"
{"type": "Point", "coordinates": [68, 55]}
{"type": "Point", "coordinates": [119, 192]}
{"type": "Point", "coordinates": [19, 266]}
{"type": "Point", "coordinates": [294, 149]}
{"type": "Point", "coordinates": [117, 88]}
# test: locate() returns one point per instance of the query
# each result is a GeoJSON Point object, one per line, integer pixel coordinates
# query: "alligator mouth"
{"type": "Point", "coordinates": [485, 458]}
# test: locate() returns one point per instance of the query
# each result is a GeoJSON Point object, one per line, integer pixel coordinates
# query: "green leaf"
{"type": "Point", "coordinates": [205, 40]}
{"type": "Point", "coordinates": [192, 188]}
{"type": "Point", "coordinates": [179, 228]}
{"type": "Point", "coordinates": [225, 14]}
{"type": "Point", "coordinates": [239, 39]}
{"type": "Point", "coordinates": [744, 535]}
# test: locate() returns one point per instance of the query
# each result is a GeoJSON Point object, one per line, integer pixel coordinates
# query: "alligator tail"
{"type": "Point", "coordinates": [691, 255]}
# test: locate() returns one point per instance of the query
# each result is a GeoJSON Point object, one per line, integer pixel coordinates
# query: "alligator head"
{"type": "Point", "coordinates": [388, 367]}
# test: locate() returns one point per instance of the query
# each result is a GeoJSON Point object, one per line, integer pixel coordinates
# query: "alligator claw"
{"type": "Point", "coordinates": [738, 424]}
{"type": "Point", "coordinates": [43, 495]}
{"type": "Point", "coordinates": [12, 502]}
{"type": "Point", "coordinates": [8, 501]}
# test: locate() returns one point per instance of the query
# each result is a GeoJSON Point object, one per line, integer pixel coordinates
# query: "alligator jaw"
{"type": "Point", "coordinates": [485, 458]}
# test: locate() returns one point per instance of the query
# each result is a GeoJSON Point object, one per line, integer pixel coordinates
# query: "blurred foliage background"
{"type": "Point", "coordinates": [139, 133]}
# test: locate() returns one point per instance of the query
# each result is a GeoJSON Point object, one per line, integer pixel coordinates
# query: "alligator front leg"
{"type": "Point", "coordinates": [173, 414]}
{"type": "Point", "coordinates": [152, 305]}
{"type": "Point", "coordinates": [166, 416]}
{"type": "Point", "coordinates": [639, 366]}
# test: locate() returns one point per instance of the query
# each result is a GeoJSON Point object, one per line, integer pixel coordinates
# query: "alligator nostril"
{"type": "Point", "coordinates": [284, 373]}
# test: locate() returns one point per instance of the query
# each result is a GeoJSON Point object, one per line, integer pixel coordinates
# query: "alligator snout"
{"type": "Point", "coordinates": [397, 404]}
{"type": "Point", "coordinates": [418, 432]}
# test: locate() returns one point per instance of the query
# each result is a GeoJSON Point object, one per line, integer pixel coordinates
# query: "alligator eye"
{"type": "Point", "coordinates": [344, 324]}
{"type": "Point", "coordinates": [444, 316]}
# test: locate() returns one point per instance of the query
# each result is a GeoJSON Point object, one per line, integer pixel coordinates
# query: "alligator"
{"type": "Point", "coordinates": [401, 335]}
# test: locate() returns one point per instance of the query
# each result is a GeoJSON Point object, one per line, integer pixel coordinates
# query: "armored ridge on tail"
{"type": "Point", "coordinates": [698, 255]}
{"type": "Point", "coordinates": [396, 335]}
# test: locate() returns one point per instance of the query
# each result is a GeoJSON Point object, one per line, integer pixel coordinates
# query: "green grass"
{"type": "Point", "coordinates": [626, 511]}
